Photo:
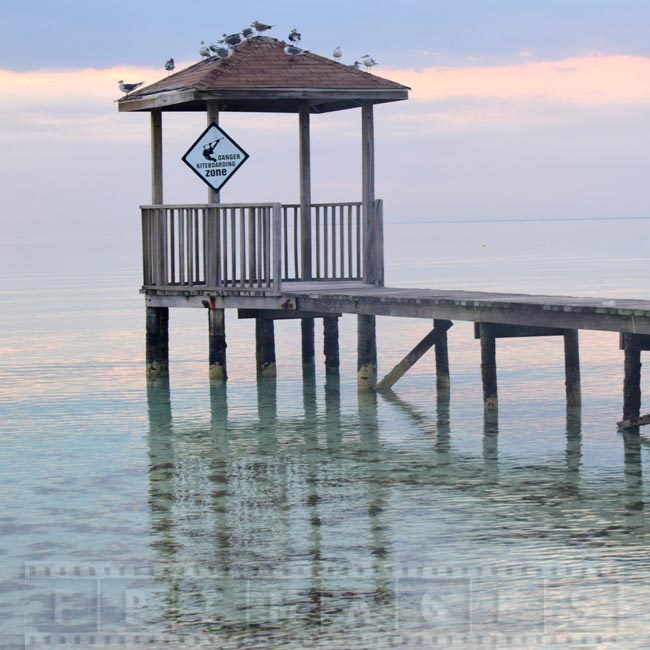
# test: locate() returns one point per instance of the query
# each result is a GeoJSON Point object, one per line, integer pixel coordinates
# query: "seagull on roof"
{"type": "Point", "coordinates": [292, 50]}
{"type": "Point", "coordinates": [203, 50]}
{"type": "Point", "coordinates": [337, 54]}
{"type": "Point", "coordinates": [294, 36]}
{"type": "Point", "coordinates": [169, 65]}
{"type": "Point", "coordinates": [248, 32]}
{"type": "Point", "coordinates": [223, 51]}
{"type": "Point", "coordinates": [260, 27]}
{"type": "Point", "coordinates": [128, 88]}
{"type": "Point", "coordinates": [232, 39]}
{"type": "Point", "coordinates": [368, 61]}
{"type": "Point", "coordinates": [357, 65]}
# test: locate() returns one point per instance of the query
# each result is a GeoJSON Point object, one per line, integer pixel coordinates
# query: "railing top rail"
{"type": "Point", "coordinates": [197, 206]}
{"type": "Point", "coordinates": [322, 205]}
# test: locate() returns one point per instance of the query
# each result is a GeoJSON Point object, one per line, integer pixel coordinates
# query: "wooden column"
{"type": "Point", "coordinates": [368, 194]}
{"type": "Point", "coordinates": [442, 358]}
{"type": "Point", "coordinates": [265, 346]}
{"type": "Point", "coordinates": [213, 116]}
{"type": "Point", "coordinates": [217, 343]}
{"type": "Point", "coordinates": [632, 380]}
{"type": "Point", "coordinates": [488, 366]}
{"type": "Point", "coordinates": [331, 344]}
{"type": "Point", "coordinates": [157, 318]}
{"type": "Point", "coordinates": [308, 346]}
{"type": "Point", "coordinates": [157, 341]}
{"type": "Point", "coordinates": [366, 352]}
{"type": "Point", "coordinates": [307, 325]}
{"type": "Point", "coordinates": [572, 368]}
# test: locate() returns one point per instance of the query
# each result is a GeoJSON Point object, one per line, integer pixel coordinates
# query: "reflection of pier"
{"type": "Point", "coordinates": [280, 509]}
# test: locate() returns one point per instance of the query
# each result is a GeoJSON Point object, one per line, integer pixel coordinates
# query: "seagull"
{"type": "Point", "coordinates": [232, 39]}
{"type": "Point", "coordinates": [223, 51]}
{"type": "Point", "coordinates": [357, 65]}
{"type": "Point", "coordinates": [337, 54]}
{"type": "Point", "coordinates": [294, 35]}
{"type": "Point", "coordinates": [248, 32]}
{"type": "Point", "coordinates": [292, 50]}
{"type": "Point", "coordinates": [368, 61]}
{"type": "Point", "coordinates": [128, 88]}
{"type": "Point", "coordinates": [203, 50]}
{"type": "Point", "coordinates": [169, 65]}
{"type": "Point", "coordinates": [260, 27]}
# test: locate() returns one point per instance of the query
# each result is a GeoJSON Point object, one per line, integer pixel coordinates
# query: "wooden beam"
{"type": "Point", "coordinates": [632, 380]}
{"type": "Point", "coordinates": [439, 329]}
{"type": "Point", "coordinates": [368, 193]}
{"type": "Point", "coordinates": [217, 344]}
{"type": "Point", "coordinates": [442, 356]}
{"type": "Point", "coordinates": [572, 368]}
{"type": "Point", "coordinates": [504, 331]}
{"type": "Point", "coordinates": [489, 367]}
{"type": "Point", "coordinates": [366, 352]}
{"type": "Point", "coordinates": [157, 341]}
{"type": "Point", "coordinates": [277, 314]}
{"type": "Point", "coordinates": [644, 342]}
{"type": "Point", "coordinates": [213, 116]}
{"type": "Point", "coordinates": [156, 158]}
{"type": "Point", "coordinates": [331, 345]}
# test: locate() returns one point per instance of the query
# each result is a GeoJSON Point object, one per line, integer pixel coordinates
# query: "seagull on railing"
{"type": "Point", "coordinates": [169, 65]}
{"type": "Point", "coordinates": [294, 36]}
{"type": "Point", "coordinates": [368, 61]}
{"type": "Point", "coordinates": [337, 54]}
{"type": "Point", "coordinates": [260, 27]}
{"type": "Point", "coordinates": [128, 88]}
{"type": "Point", "coordinates": [203, 50]}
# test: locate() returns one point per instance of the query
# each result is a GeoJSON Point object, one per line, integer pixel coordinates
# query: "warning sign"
{"type": "Point", "coordinates": [215, 157]}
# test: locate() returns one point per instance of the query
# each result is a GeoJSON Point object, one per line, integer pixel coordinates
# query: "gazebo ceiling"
{"type": "Point", "coordinates": [260, 77]}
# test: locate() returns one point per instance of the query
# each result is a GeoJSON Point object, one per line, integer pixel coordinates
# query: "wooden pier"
{"type": "Point", "coordinates": [307, 261]}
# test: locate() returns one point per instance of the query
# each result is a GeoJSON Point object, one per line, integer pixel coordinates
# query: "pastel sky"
{"type": "Point", "coordinates": [518, 110]}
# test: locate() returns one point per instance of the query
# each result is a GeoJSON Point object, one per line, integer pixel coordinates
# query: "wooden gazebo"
{"type": "Point", "coordinates": [197, 255]}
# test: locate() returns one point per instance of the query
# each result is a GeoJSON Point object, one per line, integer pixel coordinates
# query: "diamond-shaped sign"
{"type": "Point", "coordinates": [215, 157]}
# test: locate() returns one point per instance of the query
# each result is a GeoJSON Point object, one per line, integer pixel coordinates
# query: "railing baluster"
{"type": "Point", "coordinates": [317, 208]}
{"type": "Point", "coordinates": [296, 239]}
{"type": "Point", "coordinates": [267, 246]}
{"type": "Point", "coordinates": [285, 241]}
{"type": "Point", "coordinates": [222, 251]}
{"type": "Point", "coordinates": [242, 247]}
{"type": "Point", "coordinates": [358, 242]}
{"type": "Point", "coordinates": [325, 244]}
{"type": "Point", "coordinates": [333, 226]}
{"type": "Point", "coordinates": [342, 241]}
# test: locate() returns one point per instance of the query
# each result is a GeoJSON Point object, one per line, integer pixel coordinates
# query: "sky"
{"type": "Point", "coordinates": [518, 110]}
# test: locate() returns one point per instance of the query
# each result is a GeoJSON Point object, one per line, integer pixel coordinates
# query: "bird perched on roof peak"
{"type": "Point", "coordinates": [294, 36]}
{"type": "Point", "coordinates": [222, 51]}
{"type": "Point", "coordinates": [169, 65]}
{"type": "Point", "coordinates": [337, 54]}
{"type": "Point", "coordinates": [260, 27]}
{"type": "Point", "coordinates": [232, 39]}
{"type": "Point", "coordinates": [368, 61]}
{"type": "Point", "coordinates": [203, 50]}
{"type": "Point", "coordinates": [357, 65]}
{"type": "Point", "coordinates": [128, 88]}
{"type": "Point", "coordinates": [248, 32]}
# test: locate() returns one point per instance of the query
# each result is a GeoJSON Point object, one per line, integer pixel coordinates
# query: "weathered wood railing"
{"type": "Point", "coordinates": [337, 240]}
{"type": "Point", "coordinates": [233, 247]}
{"type": "Point", "coordinates": [224, 246]}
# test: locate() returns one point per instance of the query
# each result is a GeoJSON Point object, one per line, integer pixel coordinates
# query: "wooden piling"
{"type": "Point", "coordinates": [488, 367]}
{"type": "Point", "coordinates": [366, 352]}
{"type": "Point", "coordinates": [265, 346]}
{"type": "Point", "coordinates": [632, 380]}
{"type": "Point", "coordinates": [331, 344]}
{"type": "Point", "coordinates": [442, 356]}
{"type": "Point", "coordinates": [572, 368]}
{"type": "Point", "coordinates": [157, 341]}
{"type": "Point", "coordinates": [308, 346]}
{"type": "Point", "coordinates": [217, 344]}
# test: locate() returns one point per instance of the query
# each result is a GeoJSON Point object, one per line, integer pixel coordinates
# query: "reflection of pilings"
{"type": "Point", "coordinates": [378, 495]}
{"type": "Point", "coordinates": [161, 481]}
{"type": "Point", "coordinates": [491, 446]}
{"type": "Point", "coordinates": [443, 424]}
{"type": "Point", "coordinates": [309, 400]}
{"type": "Point", "coordinates": [573, 452]}
{"type": "Point", "coordinates": [633, 495]}
{"type": "Point", "coordinates": [333, 412]}
{"type": "Point", "coordinates": [267, 409]}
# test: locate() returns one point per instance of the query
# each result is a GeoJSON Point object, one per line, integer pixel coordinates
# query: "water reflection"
{"type": "Point", "coordinates": [295, 525]}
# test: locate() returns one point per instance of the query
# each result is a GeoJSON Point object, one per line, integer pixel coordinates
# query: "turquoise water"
{"type": "Point", "coordinates": [294, 513]}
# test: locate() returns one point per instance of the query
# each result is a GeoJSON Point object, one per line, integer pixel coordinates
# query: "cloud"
{"type": "Point", "coordinates": [593, 79]}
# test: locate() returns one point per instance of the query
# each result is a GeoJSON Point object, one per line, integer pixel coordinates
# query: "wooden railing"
{"type": "Point", "coordinates": [224, 246]}
{"type": "Point", "coordinates": [233, 247]}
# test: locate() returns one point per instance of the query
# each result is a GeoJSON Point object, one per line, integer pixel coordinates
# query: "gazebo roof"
{"type": "Point", "coordinates": [260, 77]}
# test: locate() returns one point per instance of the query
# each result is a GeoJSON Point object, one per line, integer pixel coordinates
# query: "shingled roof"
{"type": "Point", "coordinates": [260, 77]}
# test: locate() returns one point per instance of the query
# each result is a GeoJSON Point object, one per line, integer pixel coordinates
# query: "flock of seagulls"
{"type": "Point", "coordinates": [225, 47]}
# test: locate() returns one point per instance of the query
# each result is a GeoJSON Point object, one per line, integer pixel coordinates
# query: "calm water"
{"type": "Point", "coordinates": [294, 513]}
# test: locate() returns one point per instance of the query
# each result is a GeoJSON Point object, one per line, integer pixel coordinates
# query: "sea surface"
{"type": "Point", "coordinates": [295, 513]}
